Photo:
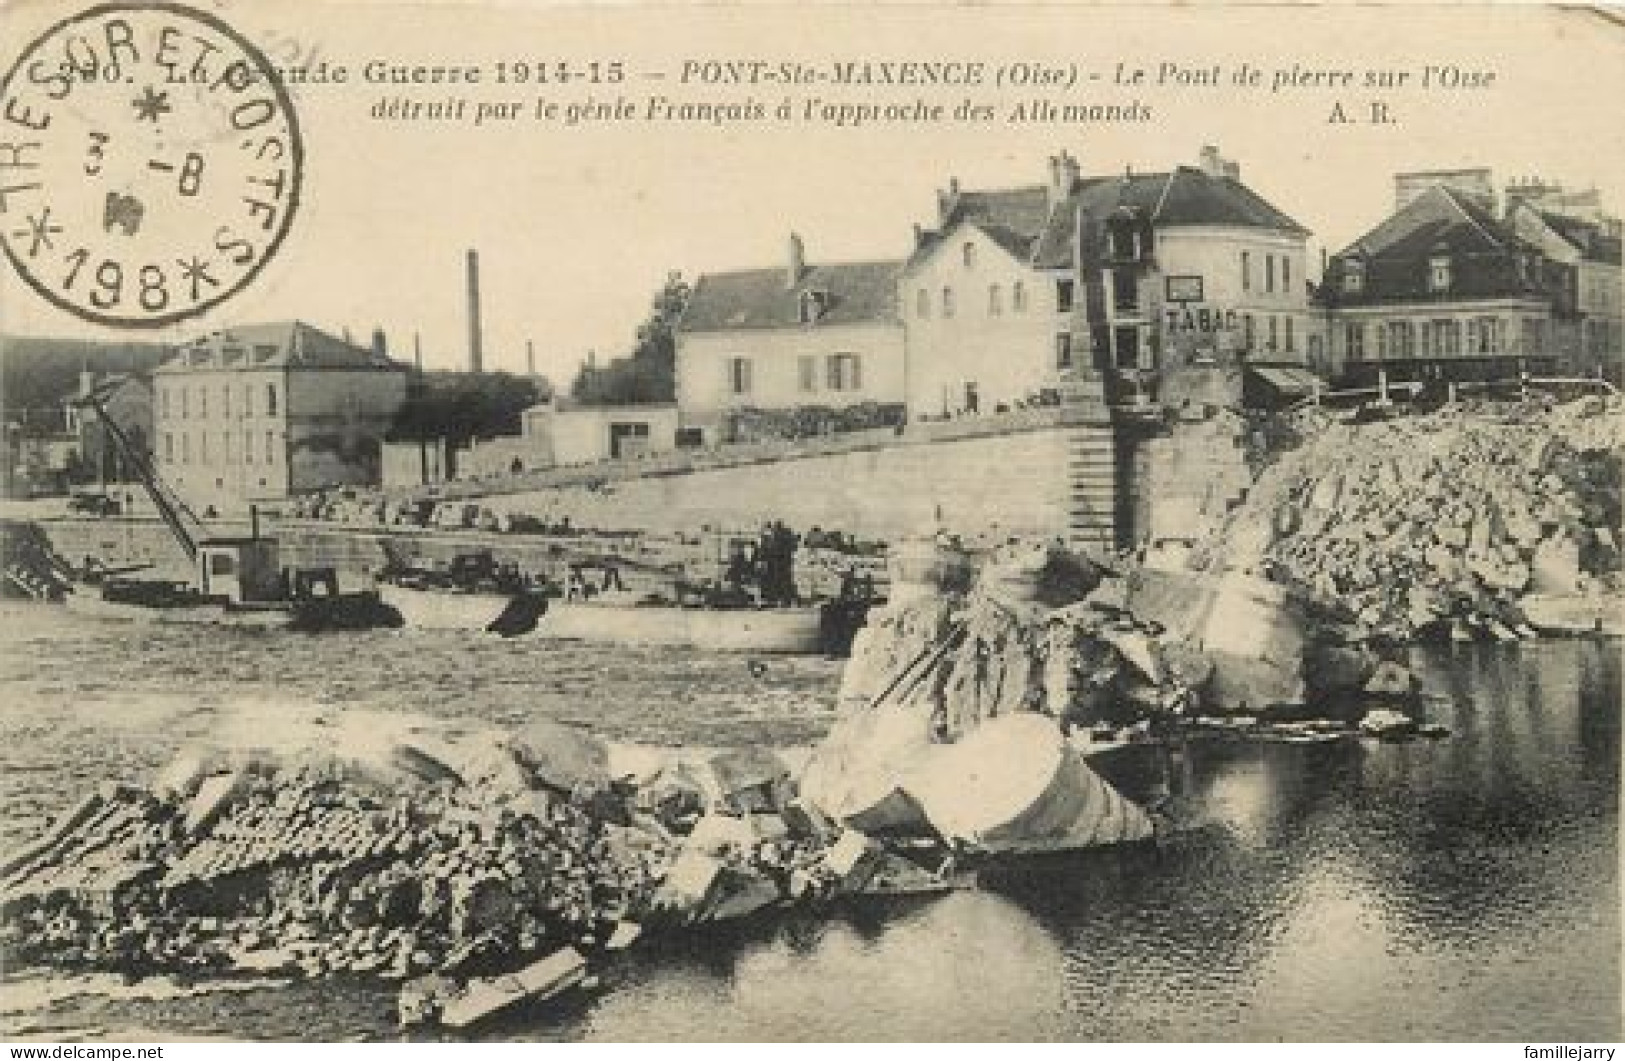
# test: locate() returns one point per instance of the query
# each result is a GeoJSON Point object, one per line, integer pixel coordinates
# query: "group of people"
{"type": "Point", "coordinates": [768, 564]}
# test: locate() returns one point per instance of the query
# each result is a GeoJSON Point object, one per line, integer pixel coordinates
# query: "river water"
{"type": "Point", "coordinates": [1460, 889]}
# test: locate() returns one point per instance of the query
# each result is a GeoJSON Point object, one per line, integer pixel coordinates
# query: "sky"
{"type": "Point", "coordinates": [577, 226]}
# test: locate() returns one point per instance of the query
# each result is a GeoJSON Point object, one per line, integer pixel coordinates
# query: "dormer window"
{"type": "Point", "coordinates": [810, 306]}
{"type": "Point", "coordinates": [1353, 276]}
{"type": "Point", "coordinates": [968, 252]}
{"type": "Point", "coordinates": [1123, 241]}
{"type": "Point", "coordinates": [1439, 273]}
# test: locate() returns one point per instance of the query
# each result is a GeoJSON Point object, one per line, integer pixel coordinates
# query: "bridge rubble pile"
{"type": "Point", "coordinates": [486, 867]}
{"type": "Point", "coordinates": [1465, 523]}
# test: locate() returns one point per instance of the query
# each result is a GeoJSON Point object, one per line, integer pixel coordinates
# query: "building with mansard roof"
{"type": "Point", "coordinates": [262, 412]}
{"type": "Point", "coordinates": [1158, 287]}
{"type": "Point", "coordinates": [1449, 288]}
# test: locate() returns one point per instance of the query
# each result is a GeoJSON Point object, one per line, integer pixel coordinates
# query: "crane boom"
{"type": "Point", "coordinates": [170, 506]}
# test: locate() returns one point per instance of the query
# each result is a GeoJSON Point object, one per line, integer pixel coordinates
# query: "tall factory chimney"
{"type": "Point", "coordinates": [530, 358]}
{"type": "Point", "coordinates": [474, 360]}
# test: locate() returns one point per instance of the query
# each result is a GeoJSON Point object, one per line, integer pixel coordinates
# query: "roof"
{"type": "Point", "coordinates": [854, 293]}
{"type": "Point", "coordinates": [1488, 259]}
{"type": "Point", "coordinates": [1590, 239]}
{"type": "Point", "coordinates": [1022, 222]}
{"type": "Point", "coordinates": [284, 344]}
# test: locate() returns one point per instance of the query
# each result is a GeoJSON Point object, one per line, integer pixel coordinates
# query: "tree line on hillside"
{"type": "Point", "coordinates": [38, 374]}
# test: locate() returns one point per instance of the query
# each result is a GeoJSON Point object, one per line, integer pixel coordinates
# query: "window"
{"type": "Point", "coordinates": [810, 306]}
{"type": "Point", "coordinates": [968, 253]}
{"type": "Point", "coordinates": [1401, 339]}
{"type": "Point", "coordinates": [1439, 273]}
{"type": "Point", "coordinates": [947, 302]}
{"type": "Point", "coordinates": [225, 402]}
{"type": "Point", "coordinates": [225, 446]}
{"type": "Point", "coordinates": [995, 300]}
{"type": "Point", "coordinates": [203, 402]}
{"type": "Point", "coordinates": [1353, 276]}
{"type": "Point", "coordinates": [1123, 241]}
{"type": "Point", "coordinates": [169, 447]}
{"type": "Point", "coordinates": [1534, 335]}
{"type": "Point", "coordinates": [1063, 296]}
{"type": "Point", "coordinates": [1382, 342]}
{"type": "Point", "coordinates": [739, 375]}
{"type": "Point", "coordinates": [270, 447]}
{"type": "Point", "coordinates": [1249, 332]}
{"type": "Point", "coordinates": [1354, 341]}
{"type": "Point", "coordinates": [1275, 326]}
{"type": "Point", "coordinates": [186, 448]}
{"type": "Point", "coordinates": [1246, 270]}
{"type": "Point", "coordinates": [1128, 347]}
{"type": "Point", "coordinates": [1125, 292]}
{"type": "Point", "coordinates": [248, 447]}
{"type": "Point", "coordinates": [270, 399]}
{"type": "Point", "coordinates": [184, 391]}
{"type": "Point", "coordinates": [1484, 335]}
{"type": "Point", "coordinates": [1286, 277]}
{"type": "Point", "coordinates": [1291, 342]}
{"type": "Point", "coordinates": [1269, 274]}
{"type": "Point", "coordinates": [1018, 297]}
{"type": "Point", "coordinates": [203, 447]}
{"type": "Point", "coordinates": [922, 304]}
{"type": "Point", "coordinates": [807, 367]}
{"type": "Point", "coordinates": [844, 372]}
{"type": "Point", "coordinates": [163, 401]}
{"type": "Point", "coordinates": [1063, 350]}
{"type": "Point", "coordinates": [1446, 337]}
{"type": "Point", "coordinates": [248, 399]}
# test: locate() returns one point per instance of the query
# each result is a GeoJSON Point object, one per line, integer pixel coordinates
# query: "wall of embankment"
{"type": "Point", "coordinates": [1065, 480]}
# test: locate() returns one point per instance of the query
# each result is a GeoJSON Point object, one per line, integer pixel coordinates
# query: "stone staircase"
{"type": "Point", "coordinates": [1092, 488]}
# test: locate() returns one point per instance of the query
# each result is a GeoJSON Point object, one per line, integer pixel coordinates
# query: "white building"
{"type": "Point", "coordinates": [579, 434]}
{"type": "Point", "coordinates": [1130, 278]}
{"type": "Point", "coordinates": [785, 338]}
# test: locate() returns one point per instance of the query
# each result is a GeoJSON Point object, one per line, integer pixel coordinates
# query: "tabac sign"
{"type": "Point", "coordinates": [1186, 319]}
{"type": "Point", "coordinates": [1185, 314]}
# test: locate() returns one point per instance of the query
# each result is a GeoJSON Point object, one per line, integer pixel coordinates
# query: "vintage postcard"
{"type": "Point", "coordinates": [935, 522]}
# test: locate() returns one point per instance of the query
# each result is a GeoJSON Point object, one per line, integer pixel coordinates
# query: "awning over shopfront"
{"type": "Point", "coordinates": [1286, 381]}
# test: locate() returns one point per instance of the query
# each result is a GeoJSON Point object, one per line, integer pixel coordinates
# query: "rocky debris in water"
{"type": "Point", "coordinates": [1440, 524]}
{"type": "Point", "coordinates": [1031, 629]}
{"type": "Point", "coordinates": [960, 693]}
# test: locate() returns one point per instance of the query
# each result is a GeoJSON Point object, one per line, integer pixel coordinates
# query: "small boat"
{"type": "Point", "coordinates": [445, 609]}
{"type": "Point", "coordinates": [169, 603]}
{"type": "Point", "coordinates": [797, 630]}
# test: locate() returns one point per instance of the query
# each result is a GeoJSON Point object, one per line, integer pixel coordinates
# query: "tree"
{"type": "Point", "coordinates": [649, 373]}
{"type": "Point", "coordinates": [460, 406]}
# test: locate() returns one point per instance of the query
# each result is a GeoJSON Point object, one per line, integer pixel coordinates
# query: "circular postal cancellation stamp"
{"type": "Point", "coordinates": [150, 163]}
